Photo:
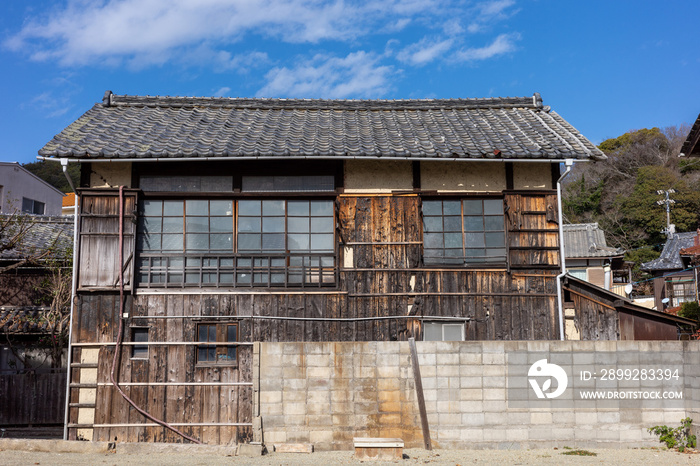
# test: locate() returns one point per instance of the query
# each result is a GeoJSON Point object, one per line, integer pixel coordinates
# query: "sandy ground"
{"type": "Point", "coordinates": [411, 457]}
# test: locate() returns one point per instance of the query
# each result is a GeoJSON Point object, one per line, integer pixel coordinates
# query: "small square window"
{"type": "Point", "coordinates": [213, 347]}
{"type": "Point", "coordinates": [443, 331]}
{"type": "Point", "coordinates": [139, 335]}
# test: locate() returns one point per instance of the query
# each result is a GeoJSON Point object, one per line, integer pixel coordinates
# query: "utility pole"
{"type": "Point", "coordinates": [667, 201]}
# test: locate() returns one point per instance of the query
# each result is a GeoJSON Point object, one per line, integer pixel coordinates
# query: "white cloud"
{"type": "Point", "coordinates": [357, 75]}
{"type": "Point", "coordinates": [424, 52]}
{"type": "Point", "coordinates": [489, 12]}
{"type": "Point", "coordinates": [222, 92]}
{"type": "Point", "coordinates": [149, 31]}
{"type": "Point", "coordinates": [505, 43]}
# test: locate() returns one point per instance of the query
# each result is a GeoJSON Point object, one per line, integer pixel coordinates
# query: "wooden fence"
{"type": "Point", "coordinates": [32, 397]}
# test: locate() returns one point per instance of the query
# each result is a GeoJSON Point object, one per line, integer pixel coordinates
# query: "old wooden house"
{"type": "Point", "coordinates": [207, 224]}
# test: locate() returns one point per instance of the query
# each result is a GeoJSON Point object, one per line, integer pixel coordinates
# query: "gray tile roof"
{"type": "Point", "coordinates": [42, 233]}
{"type": "Point", "coordinates": [23, 320]}
{"type": "Point", "coordinates": [670, 258]}
{"type": "Point", "coordinates": [150, 127]}
{"type": "Point", "coordinates": [587, 240]}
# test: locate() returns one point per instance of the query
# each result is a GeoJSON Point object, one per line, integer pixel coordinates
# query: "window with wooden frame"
{"type": "Point", "coordinates": [467, 232]}
{"type": "Point", "coordinates": [139, 335]}
{"type": "Point", "coordinates": [240, 242]}
{"type": "Point", "coordinates": [443, 331]}
{"type": "Point", "coordinates": [212, 341]}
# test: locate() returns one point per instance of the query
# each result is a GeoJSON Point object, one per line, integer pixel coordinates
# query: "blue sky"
{"type": "Point", "coordinates": [605, 66]}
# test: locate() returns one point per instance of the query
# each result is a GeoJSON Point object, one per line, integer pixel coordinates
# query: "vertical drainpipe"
{"type": "Point", "coordinates": [64, 164]}
{"type": "Point", "coordinates": [569, 163]}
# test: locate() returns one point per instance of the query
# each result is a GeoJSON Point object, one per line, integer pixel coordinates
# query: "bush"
{"type": "Point", "coordinates": [690, 310]}
{"type": "Point", "coordinates": [679, 438]}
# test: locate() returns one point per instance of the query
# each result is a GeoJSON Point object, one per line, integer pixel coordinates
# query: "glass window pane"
{"type": "Point", "coordinates": [273, 242]}
{"type": "Point", "coordinates": [473, 223]}
{"type": "Point", "coordinates": [493, 206]}
{"type": "Point", "coordinates": [196, 224]}
{"type": "Point", "coordinates": [496, 252]}
{"type": "Point", "coordinates": [197, 207]}
{"type": "Point", "coordinates": [432, 208]}
{"type": "Point", "coordinates": [321, 208]}
{"type": "Point", "coordinates": [474, 240]}
{"type": "Point", "coordinates": [451, 208]}
{"type": "Point", "coordinates": [173, 208]}
{"type": "Point", "coordinates": [298, 242]}
{"type": "Point", "coordinates": [452, 223]}
{"type": "Point", "coordinates": [149, 242]}
{"type": "Point", "coordinates": [153, 208]}
{"type": "Point", "coordinates": [221, 208]}
{"type": "Point", "coordinates": [322, 242]}
{"type": "Point", "coordinates": [202, 333]}
{"type": "Point", "coordinates": [221, 225]}
{"type": "Point", "coordinates": [172, 243]}
{"type": "Point", "coordinates": [493, 223]}
{"type": "Point", "coordinates": [432, 224]}
{"type": "Point", "coordinates": [251, 208]}
{"type": "Point", "coordinates": [249, 242]}
{"type": "Point", "coordinates": [433, 240]}
{"type": "Point", "coordinates": [249, 224]}
{"type": "Point", "coordinates": [322, 225]}
{"type": "Point", "coordinates": [221, 242]}
{"type": "Point", "coordinates": [151, 224]}
{"type": "Point", "coordinates": [298, 225]}
{"type": "Point", "coordinates": [453, 240]}
{"type": "Point", "coordinates": [452, 332]}
{"type": "Point", "coordinates": [472, 207]}
{"type": "Point", "coordinates": [432, 331]}
{"type": "Point", "coordinates": [172, 225]}
{"type": "Point", "coordinates": [273, 208]}
{"type": "Point", "coordinates": [192, 278]}
{"type": "Point", "coordinates": [273, 224]}
{"type": "Point", "coordinates": [198, 241]}
{"type": "Point", "coordinates": [495, 239]}
{"type": "Point", "coordinates": [475, 254]}
{"type": "Point", "coordinates": [298, 208]}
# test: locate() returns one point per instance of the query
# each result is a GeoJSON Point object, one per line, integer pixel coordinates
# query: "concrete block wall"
{"type": "Point", "coordinates": [328, 393]}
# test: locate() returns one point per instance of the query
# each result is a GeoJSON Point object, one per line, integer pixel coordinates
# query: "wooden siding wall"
{"type": "Point", "coordinates": [383, 278]}
{"type": "Point", "coordinates": [595, 319]}
{"type": "Point", "coordinates": [32, 397]}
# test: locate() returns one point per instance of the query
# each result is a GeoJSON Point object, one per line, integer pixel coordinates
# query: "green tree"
{"type": "Point", "coordinates": [52, 173]}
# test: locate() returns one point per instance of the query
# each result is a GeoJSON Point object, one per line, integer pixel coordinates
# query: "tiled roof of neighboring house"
{"type": "Point", "coordinates": [691, 146]}
{"type": "Point", "coordinates": [43, 233]}
{"type": "Point", "coordinates": [670, 258]}
{"type": "Point", "coordinates": [23, 320]}
{"type": "Point", "coordinates": [68, 200]}
{"type": "Point", "coordinates": [587, 240]}
{"type": "Point", "coordinates": [129, 127]}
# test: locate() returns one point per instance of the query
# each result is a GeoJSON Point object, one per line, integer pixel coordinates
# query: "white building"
{"type": "Point", "coordinates": [23, 191]}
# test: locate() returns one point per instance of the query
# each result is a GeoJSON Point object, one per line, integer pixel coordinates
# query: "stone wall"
{"type": "Point", "coordinates": [328, 393]}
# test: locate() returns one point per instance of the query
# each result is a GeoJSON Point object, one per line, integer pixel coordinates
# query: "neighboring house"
{"type": "Point", "coordinates": [594, 313]}
{"type": "Point", "coordinates": [68, 207]}
{"type": "Point", "coordinates": [46, 243]}
{"type": "Point", "coordinates": [32, 370]}
{"type": "Point", "coordinates": [23, 191]}
{"type": "Point", "coordinates": [233, 221]}
{"type": "Point", "coordinates": [589, 258]}
{"type": "Point", "coordinates": [674, 278]}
